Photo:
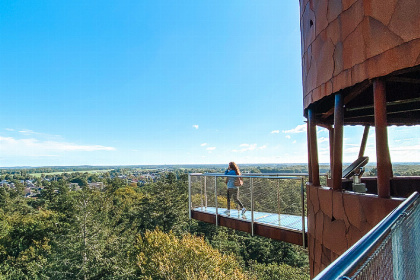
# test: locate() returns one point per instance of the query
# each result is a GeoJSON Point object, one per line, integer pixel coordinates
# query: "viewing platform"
{"type": "Point", "coordinates": [275, 203]}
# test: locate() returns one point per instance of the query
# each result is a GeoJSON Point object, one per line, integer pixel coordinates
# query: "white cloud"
{"type": "Point", "coordinates": [195, 126]}
{"type": "Point", "coordinates": [351, 149]}
{"type": "Point", "coordinates": [351, 145]}
{"type": "Point", "coordinates": [288, 136]}
{"type": "Point", "coordinates": [211, 148]}
{"type": "Point", "coordinates": [275, 131]}
{"type": "Point", "coordinates": [294, 142]}
{"type": "Point", "coordinates": [323, 139]}
{"type": "Point", "coordinates": [298, 129]}
{"type": "Point", "coordinates": [27, 132]}
{"type": "Point", "coordinates": [413, 148]}
{"type": "Point", "coordinates": [9, 129]}
{"type": "Point", "coordinates": [249, 147]}
{"type": "Point", "coordinates": [204, 144]}
{"type": "Point", "coordinates": [10, 146]}
{"type": "Point", "coordinates": [85, 148]}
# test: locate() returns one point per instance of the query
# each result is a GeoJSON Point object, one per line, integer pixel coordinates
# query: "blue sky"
{"type": "Point", "coordinates": [158, 82]}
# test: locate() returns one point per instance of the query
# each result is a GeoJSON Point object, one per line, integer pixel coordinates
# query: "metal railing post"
{"type": "Point", "coordinates": [201, 196]}
{"type": "Point", "coordinates": [252, 206]}
{"type": "Point", "coordinates": [302, 194]}
{"type": "Point", "coordinates": [189, 195]}
{"type": "Point", "coordinates": [205, 192]}
{"type": "Point", "coordinates": [215, 197]}
{"type": "Point", "coordinates": [278, 201]}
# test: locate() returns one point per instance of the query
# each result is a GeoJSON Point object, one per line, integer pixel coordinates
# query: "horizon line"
{"type": "Point", "coordinates": [184, 164]}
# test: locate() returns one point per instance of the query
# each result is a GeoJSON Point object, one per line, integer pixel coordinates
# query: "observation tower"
{"type": "Point", "coordinates": [360, 66]}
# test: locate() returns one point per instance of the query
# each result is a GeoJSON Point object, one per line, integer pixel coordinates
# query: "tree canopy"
{"type": "Point", "coordinates": [127, 231]}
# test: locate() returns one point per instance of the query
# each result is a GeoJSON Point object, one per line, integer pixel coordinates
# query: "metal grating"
{"type": "Point", "coordinates": [397, 257]}
{"type": "Point", "coordinates": [388, 251]}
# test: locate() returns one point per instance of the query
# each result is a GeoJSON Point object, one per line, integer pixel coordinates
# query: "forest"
{"type": "Point", "coordinates": [136, 227]}
{"type": "Point", "coordinates": [127, 231]}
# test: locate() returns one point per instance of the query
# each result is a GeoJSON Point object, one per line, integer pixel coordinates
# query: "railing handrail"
{"type": "Point", "coordinates": [246, 176]}
{"type": "Point", "coordinates": [279, 174]}
{"type": "Point", "coordinates": [273, 173]}
{"type": "Point", "coordinates": [349, 260]}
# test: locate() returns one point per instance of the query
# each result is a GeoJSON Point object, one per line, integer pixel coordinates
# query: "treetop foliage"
{"type": "Point", "coordinates": [127, 231]}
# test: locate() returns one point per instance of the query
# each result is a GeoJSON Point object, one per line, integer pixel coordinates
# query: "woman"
{"type": "Point", "coordinates": [232, 190]}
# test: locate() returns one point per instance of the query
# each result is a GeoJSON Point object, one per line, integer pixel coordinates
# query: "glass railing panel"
{"type": "Point", "coordinates": [278, 202]}
{"type": "Point", "coordinates": [203, 193]}
{"type": "Point", "coordinates": [273, 200]}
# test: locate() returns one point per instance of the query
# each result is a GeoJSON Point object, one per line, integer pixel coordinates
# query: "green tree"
{"type": "Point", "coordinates": [164, 256]}
{"type": "Point", "coordinates": [82, 181]}
{"type": "Point", "coordinates": [93, 246]}
{"type": "Point", "coordinates": [275, 271]}
{"type": "Point", "coordinates": [25, 242]}
{"type": "Point", "coordinates": [165, 206]}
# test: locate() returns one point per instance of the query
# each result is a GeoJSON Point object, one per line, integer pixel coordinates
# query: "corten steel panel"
{"type": "Point", "coordinates": [400, 186]}
{"type": "Point", "coordinates": [404, 186]}
{"type": "Point", "coordinates": [280, 234]}
{"type": "Point", "coordinates": [346, 42]}
{"type": "Point", "coordinates": [235, 224]}
{"type": "Point", "coordinates": [337, 220]}
{"type": "Point", "coordinates": [205, 217]}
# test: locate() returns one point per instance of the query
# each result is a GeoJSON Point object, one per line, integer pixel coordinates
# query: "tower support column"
{"type": "Point", "coordinates": [384, 166]}
{"type": "Point", "coordinates": [313, 146]}
{"type": "Point", "coordinates": [337, 168]}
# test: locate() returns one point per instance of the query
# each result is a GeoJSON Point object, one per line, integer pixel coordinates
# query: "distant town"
{"type": "Point", "coordinates": [31, 184]}
{"type": "Point", "coordinates": [31, 181]}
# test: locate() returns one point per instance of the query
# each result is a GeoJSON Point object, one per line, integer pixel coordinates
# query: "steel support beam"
{"type": "Point", "coordinates": [308, 140]}
{"type": "Point", "coordinates": [337, 168]}
{"type": "Point", "coordinates": [331, 140]}
{"type": "Point", "coordinates": [313, 150]}
{"type": "Point", "coordinates": [364, 141]}
{"type": "Point", "coordinates": [384, 167]}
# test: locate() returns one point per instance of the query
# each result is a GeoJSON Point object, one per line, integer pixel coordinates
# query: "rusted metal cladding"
{"type": "Point", "coordinates": [345, 42]}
